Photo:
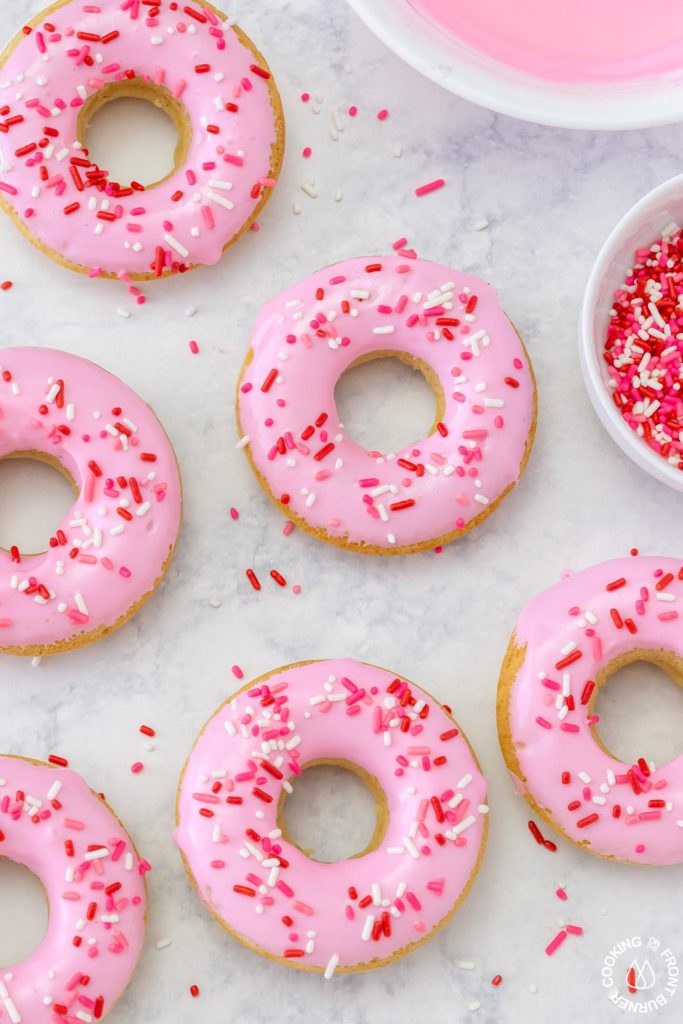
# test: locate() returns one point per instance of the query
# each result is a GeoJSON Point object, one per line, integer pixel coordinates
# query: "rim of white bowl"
{"type": "Point", "coordinates": [620, 243]}
{"type": "Point", "coordinates": [643, 104]}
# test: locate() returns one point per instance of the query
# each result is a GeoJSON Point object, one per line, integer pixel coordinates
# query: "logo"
{"type": "Point", "coordinates": [640, 976]}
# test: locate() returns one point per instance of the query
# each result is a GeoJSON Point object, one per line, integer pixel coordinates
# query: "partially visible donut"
{"type": "Point", "coordinates": [93, 877]}
{"type": "Point", "coordinates": [447, 324]}
{"type": "Point", "coordinates": [205, 74]}
{"type": "Point", "coordinates": [567, 642]}
{"type": "Point", "coordinates": [113, 547]}
{"type": "Point", "coordinates": [431, 816]}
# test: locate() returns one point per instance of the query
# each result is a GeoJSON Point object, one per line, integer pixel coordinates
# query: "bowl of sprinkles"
{"type": "Point", "coordinates": [631, 334]}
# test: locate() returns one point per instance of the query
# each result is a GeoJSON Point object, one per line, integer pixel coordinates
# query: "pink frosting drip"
{"type": "Point", "coordinates": [304, 340]}
{"type": "Point", "coordinates": [239, 768]}
{"type": "Point", "coordinates": [96, 896]}
{"type": "Point", "coordinates": [45, 82]}
{"type": "Point", "coordinates": [111, 548]}
{"type": "Point", "coordinates": [570, 634]}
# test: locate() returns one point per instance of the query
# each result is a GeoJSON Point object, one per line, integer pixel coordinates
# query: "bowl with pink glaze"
{"type": "Point", "coordinates": [645, 223]}
{"type": "Point", "coordinates": [625, 70]}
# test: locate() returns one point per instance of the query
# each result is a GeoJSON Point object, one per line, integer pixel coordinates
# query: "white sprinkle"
{"type": "Point", "coordinates": [175, 244]}
{"type": "Point", "coordinates": [462, 825]}
{"type": "Point", "coordinates": [220, 200]}
{"type": "Point", "coordinates": [331, 966]}
{"type": "Point", "coordinates": [96, 854]}
{"type": "Point", "coordinates": [410, 847]}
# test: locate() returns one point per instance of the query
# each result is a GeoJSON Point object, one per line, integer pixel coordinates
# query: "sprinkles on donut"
{"type": "Point", "coordinates": [355, 914]}
{"type": "Point", "coordinates": [113, 547]}
{"type": "Point", "coordinates": [94, 883]}
{"type": "Point", "coordinates": [448, 325]}
{"type": "Point", "coordinates": [567, 642]}
{"type": "Point", "coordinates": [204, 73]}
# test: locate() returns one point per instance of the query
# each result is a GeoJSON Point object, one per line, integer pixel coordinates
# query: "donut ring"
{"type": "Point", "coordinates": [422, 859]}
{"type": "Point", "coordinates": [211, 81]}
{"type": "Point", "coordinates": [52, 823]}
{"type": "Point", "coordinates": [567, 642]}
{"type": "Point", "coordinates": [114, 546]}
{"type": "Point", "coordinates": [447, 325]}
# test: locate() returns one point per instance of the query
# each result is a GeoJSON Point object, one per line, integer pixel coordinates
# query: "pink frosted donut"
{"type": "Point", "coordinates": [94, 885]}
{"type": "Point", "coordinates": [355, 914]}
{"type": "Point", "coordinates": [567, 642]}
{"type": "Point", "coordinates": [114, 545]}
{"type": "Point", "coordinates": [447, 324]}
{"type": "Point", "coordinates": [208, 77]}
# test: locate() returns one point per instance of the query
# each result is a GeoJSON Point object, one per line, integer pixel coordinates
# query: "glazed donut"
{"type": "Point", "coordinates": [113, 547]}
{"type": "Point", "coordinates": [567, 642]}
{"type": "Point", "coordinates": [211, 81]}
{"type": "Point", "coordinates": [95, 889]}
{"type": "Point", "coordinates": [355, 914]}
{"type": "Point", "coordinates": [446, 324]}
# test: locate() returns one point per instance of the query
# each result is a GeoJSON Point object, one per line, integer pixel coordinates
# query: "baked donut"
{"type": "Point", "coordinates": [444, 323]}
{"type": "Point", "coordinates": [206, 75]}
{"type": "Point", "coordinates": [114, 546]}
{"type": "Point", "coordinates": [95, 889]}
{"type": "Point", "coordinates": [567, 642]}
{"type": "Point", "coordinates": [431, 829]}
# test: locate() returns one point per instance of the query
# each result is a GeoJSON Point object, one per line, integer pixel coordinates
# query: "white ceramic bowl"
{"type": "Point", "coordinates": [642, 225]}
{"type": "Point", "coordinates": [618, 105]}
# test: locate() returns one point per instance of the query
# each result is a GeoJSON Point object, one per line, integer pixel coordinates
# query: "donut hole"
{"type": "Point", "coordinates": [23, 913]}
{"type": "Point", "coordinates": [37, 494]}
{"type": "Point", "coordinates": [385, 405]}
{"type": "Point", "coordinates": [135, 131]}
{"type": "Point", "coordinates": [335, 811]}
{"type": "Point", "coordinates": [640, 704]}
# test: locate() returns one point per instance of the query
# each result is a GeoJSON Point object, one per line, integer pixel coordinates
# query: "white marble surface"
{"type": "Point", "coordinates": [549, 196]}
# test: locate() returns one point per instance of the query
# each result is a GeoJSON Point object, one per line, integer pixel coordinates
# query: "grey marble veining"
{"type": "Point", "coordinates": [549, 197]}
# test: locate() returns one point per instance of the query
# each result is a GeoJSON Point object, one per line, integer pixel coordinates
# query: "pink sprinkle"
{"type": "Point", "coordinates": [431, 186]}
{"type": "Point", "coordinates": [194, 349]}
{"type": "Point", "coordinates": [556, 942]}
{"type": "Point", "coordinates": [353, 110]}
{"type": "Point", "coordinates": [307, 152]}
{"type": "Point", "coordinates": [561, 894]}
{"type": "Point", "coordinates": [137, 767]}
{"type": "Point", "coordinates": [383, 114]}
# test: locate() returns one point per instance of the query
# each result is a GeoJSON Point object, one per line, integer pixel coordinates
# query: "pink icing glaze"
{"type": "Point", "coordinates": [303, 343]}
{"type": "Point", "coordinates": [45, 81]}
{"type": "Point", "coordinates": [115, 541]}
{"type": "Point", "coordinates": [96, 895]}
{"type": "Point", "coordinates": [576, 40]}
{"type": "Point", "coordinates": [335, 710]}
{"type": "Point", "coordinates": [575, 616]}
